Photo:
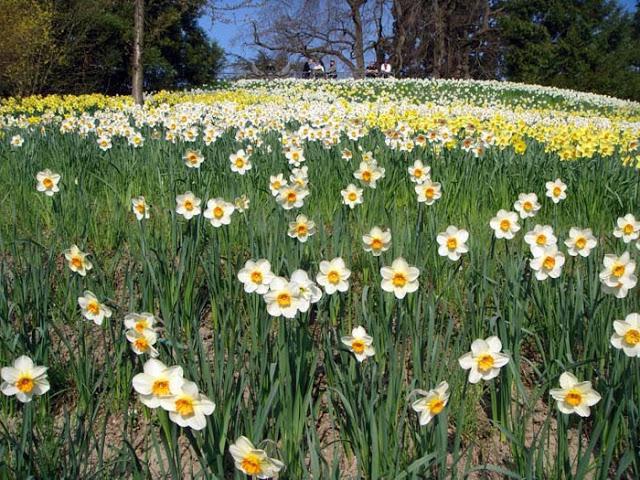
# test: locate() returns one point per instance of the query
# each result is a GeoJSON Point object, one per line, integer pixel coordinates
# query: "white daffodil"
{"type": "Point", "coordinates": [580, 242]}
{"type": "Point", "coordinates": [431, 403]}
{"type": "Point", "coordinates": [252, 461]}
{"type": "Point", "coordinates": [140, 208]}
{"type": "Point", "coordinates": [291, 197]}
{"type": "Point", "coordinates": [428, 191]}
{"type": "Point", "coordinates": [77, 260]}
{"type": "Point", "coordinates": [452, 243]}
{"type": "Point", "coordinates": [556, 190]}
{"type": "Point", "coordinates": [400, 278]}
{"type": "Point", "coordinates": [540, 238]}
{"type": "Point", "coordinates": [351, 196]}
{"type": "Point", "coordinates": [505, 224]}
{"type": "Point", "coordinates": [143, 342]}
{"type": "Point", "coordinates": [359, 343]}
{"type": "Point", "coordinates": [241, 203]}
{"type": "Point", "coordinates": [276, 183]}
{"type": "Point", "coordinates": [418, 172]}
{"type": "Point", "coordinates": [618, 276]}
{"type": "Point", "coordinates": [24, 379]}
{"type": "Point", "coordinates": [377, 241]}
{"type": "Point", "coordinates": [193, 158]}
{"type": "Point", "coordinates": [333, 276]}
{"type": "Point", "coordinates": [240, 162]}
{"type": "Point", "coordinates": [302, 228]}
{"type": "Point", "coordinates": [92, 309]}
{"type": "Point", "coordinates": [282, 299]}
{"type": "Point", "coordinates": [309, 292]}
{"type": "Point", "coordinates": [157, 382]}
{"type": "Point", "coordinates": [139, 321]}
{"type": "Point", "coordinates": [219, 212]}
{"type": "Point", "coordinates": [188, 205]}
{"type": "Point", "coordinates": [17, 141]}
{"type": "Point", "coordinates": [484, 361]}
{"type": "Point", "coordinates": [48, 182]}
{"type": "Point", "coordinates": [628, 228]}
{"type": "Point", "coordinates": [547, 262]}
{"type": "Point", "coordinates": [189, 407]}
{"type": "Point", "coordinates": [256, 276]}
{"type": "Point", "coordinates": [369, 173]}
{"type": "Point", "coordinates": [574, 396]}
{"type": "Point", "coordinates": [527, 205]}
{"type": "Point", "coordinates": [626, 335]}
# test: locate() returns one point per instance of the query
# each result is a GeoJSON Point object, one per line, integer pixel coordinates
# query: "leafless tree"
{"type": "Point", "coordinates": [445, 38]}
{"type": "Point", "coordinates": [314, 28]}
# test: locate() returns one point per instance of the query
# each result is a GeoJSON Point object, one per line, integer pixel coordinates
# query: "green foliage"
{"type": "Point", "coordinates": [585, 45]}
{"type": "Point", "coordinates": [92, 42]}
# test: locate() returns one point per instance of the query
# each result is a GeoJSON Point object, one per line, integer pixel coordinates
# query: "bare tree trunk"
{"type": "Point", "coordinates": [137, 67]}
{"type": "Point", "coordinates": [358, 43]}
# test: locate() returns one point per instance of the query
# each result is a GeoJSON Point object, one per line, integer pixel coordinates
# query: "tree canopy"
{"type": "Point", "coordinates": [83, 46]}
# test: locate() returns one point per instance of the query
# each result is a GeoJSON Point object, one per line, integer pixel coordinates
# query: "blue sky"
{"type": "Point", "coordinates": [231, 35]}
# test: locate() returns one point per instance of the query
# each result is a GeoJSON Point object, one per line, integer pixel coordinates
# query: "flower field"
{"type": "Point", "coordinates": [350, 279]}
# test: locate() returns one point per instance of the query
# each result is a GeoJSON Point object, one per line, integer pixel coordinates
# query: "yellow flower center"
{"type": "Point", "coordinates": [435, 405]}
{"type": "Point", "coordinates": [366, 176]}
{"type": "Point", "coordinates": [505, 225]}
{"type": "Point", "coordinates": [452, 243]}
{"type": "Point", "coordinates": [276, 185]}
{"type": "Point", "coordinates": [193, 158]}
{"type": "Point", "coordinates": [188, 205]}
{"type": "Point", "coordinates": [218, 212]}
{"type": "Point", "coordinates": [549, 262]}
{"type": "Point", "coordinates": [429, 192]}
{"type": "Point", "coordinates": [25, 383]}
{"type": "Point", "coordinates": [528, 206]}
{"type": "Point", "coordinates": [295, 156]}
{"type": "Point", "coordinates": [485, 361]}
{"type": "Point", "coordinates": [417, 173]}
{"type": "Point", "coordinates": [557, 191]}
{"type": "Point", "coordinates": [541, 239]}
{"type": "Point", "coordinates": [284, 299]}
{"type": "Point", "coordinates": [140, 208]}
{"type": "Point", "coordinates": [632, 337]}
{"type": "Point", "coordinates": [141, 344]}
{"type": "Point", "coordinates": [239, 162]}
{"type": "Point", "coordinates": [160, 387]}
{"type": "Point", "coordinates": [251, 464]}
{"type": "Point", "coordinates": [357, 346]}
{"type": "Point", "coordinates": [184, 406]}
{"type": "Point", "coordinates": [376, 244]}
{"type": "Point", "coordinates": [333, 276]}
{"type": "Point", "coordinates": [628, 229]}
{"type": "Point", "coordinates": [93, 307]}
{"type": "Point", "coordinates": [76, 262]}
{"type": "Point", "coordinates": [48, 183]}
{"type": "Point", "coordinates": [291, 197]}
{"type": "Point", "coordinates": [618, 269]}
{"type": "Point", "coordinates": [581, 242]}
{"type": "Point", "coordinates": [399, 280]}
{"type": "Point", "coordinates": [352, 196]}
{"type": "Point", "coordinates": [140, 326]}
{"type": "Point", "coordinates": [256, 276]}
{"type": "Point", "coordinates": [302, 230]}
{"type": "Point", "coordinates": [573, 397]}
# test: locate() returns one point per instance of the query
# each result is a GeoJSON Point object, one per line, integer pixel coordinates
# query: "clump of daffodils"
{"type": "Point", "coordinates": [141, 333]}
{"type": "Point", "coordinates": [165, 387]}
